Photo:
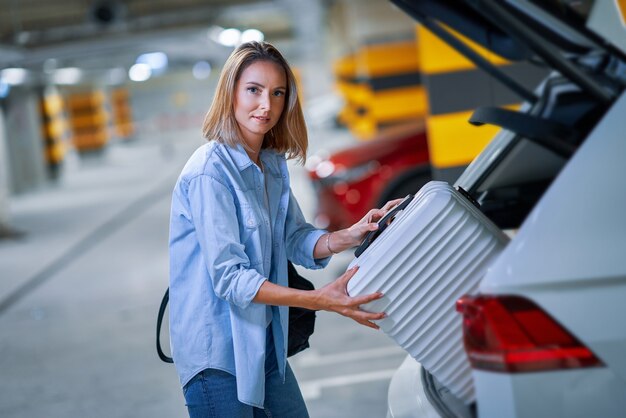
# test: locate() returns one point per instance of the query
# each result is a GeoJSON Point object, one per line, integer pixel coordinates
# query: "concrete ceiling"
{"type": "Point", "coordinates": [103, 38]}
{"type": "Point", "coordinates": [96, 34]}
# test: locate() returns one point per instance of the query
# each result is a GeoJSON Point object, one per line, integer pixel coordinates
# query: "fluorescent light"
{"type": "Point", "coordinates": [229, 37]}
{"type": "Point", "coordinates": [140, 72]}
{"type": "Point", "coordinates": [68, 75]}
{"type": "Point", "coordinates": [13, 76]}
{"type": "Point", "coordinates": [252, 35]}
{"type": "Point", "coordinates": [157, 61]}
{"type": "Point", "coordinates": [213, 33]}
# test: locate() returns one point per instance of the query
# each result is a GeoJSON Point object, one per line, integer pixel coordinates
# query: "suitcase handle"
{"type": "Point", "coordinates": [382, 225]}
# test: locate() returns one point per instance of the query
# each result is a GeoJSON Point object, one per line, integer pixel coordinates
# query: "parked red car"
{"type": "Point", "coordinates": [364, 176]}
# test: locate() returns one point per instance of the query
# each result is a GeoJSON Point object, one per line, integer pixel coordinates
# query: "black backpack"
{"type": "Point", "coordinates": [301, 321]}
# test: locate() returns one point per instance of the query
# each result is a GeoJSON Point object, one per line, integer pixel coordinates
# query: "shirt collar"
{"type": "Point", "coordinates": [243, 161]}
{"type": "Point", "coordinates": [239, 156]}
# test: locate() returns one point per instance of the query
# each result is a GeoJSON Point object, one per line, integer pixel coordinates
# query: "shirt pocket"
{"type": "Point", "coordinates": [251, 234]}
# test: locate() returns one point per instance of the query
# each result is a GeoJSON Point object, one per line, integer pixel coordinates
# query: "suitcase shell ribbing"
{"type": "Point", "coordinates": [435, 251]}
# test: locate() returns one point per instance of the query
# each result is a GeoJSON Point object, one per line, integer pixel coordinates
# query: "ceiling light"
{"type": "Point", "coordinates": [213, 33]}
{"type": "Point", "coordinates": [67, 76]}
{"type": "Point", "coordinates": [229, 37]}
{"type": "Point", "coordinates": [13, 76]}
{"type": "Point", "coordinates": [157, 61]}
{"type": "Point", "coordinates": [140, 72]}
{"type": "Point", "coordinates": [252, 35]}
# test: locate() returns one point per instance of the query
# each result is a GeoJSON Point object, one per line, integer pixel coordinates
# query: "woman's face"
{"type": "Point", "coordinates": [259, 100]}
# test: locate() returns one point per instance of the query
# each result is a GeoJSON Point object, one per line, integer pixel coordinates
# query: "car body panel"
{"type": "Point", "coordinates": [570, 251]}
{"type": "Point", "coordinates": [407, 398]}
{"type": "Point", "coordinates": [569, 254]}
{"type": "Point", "coordinates": [588, 199]}
{"type": "Point", "coordinates": [581, 393]}
{"type": "Point", "coordinates": [364, 173]}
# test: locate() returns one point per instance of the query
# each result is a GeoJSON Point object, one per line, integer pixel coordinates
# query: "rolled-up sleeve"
{"type": "Point", "coordinates": [214, 216]}
{"type": "Point", "coordinates": [301, 237]}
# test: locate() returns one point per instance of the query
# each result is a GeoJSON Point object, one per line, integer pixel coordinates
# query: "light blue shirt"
{"type": "Point", "coordinates": [223, 246]}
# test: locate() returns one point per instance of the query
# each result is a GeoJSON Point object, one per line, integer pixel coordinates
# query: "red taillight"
{"type": "Point", "coordinates": [512, 334]}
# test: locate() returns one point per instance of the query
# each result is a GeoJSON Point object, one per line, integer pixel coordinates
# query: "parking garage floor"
{"type": "Point", "coordinates": [80, 289]}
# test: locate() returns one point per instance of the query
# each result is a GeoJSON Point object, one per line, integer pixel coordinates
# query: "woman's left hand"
{"type": "Point", "coordinates": [369, 222]}
{"type": "Point", "coordinates": [338, 241]}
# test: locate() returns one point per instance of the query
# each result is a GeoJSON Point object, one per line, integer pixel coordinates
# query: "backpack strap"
{"type": "Point", "coordinates": [164, 301]}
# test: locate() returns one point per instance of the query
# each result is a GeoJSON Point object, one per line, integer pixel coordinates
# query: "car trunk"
{"type": "Point", "coordinates": [512, 174]}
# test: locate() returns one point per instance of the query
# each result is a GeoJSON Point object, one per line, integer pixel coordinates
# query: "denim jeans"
{"type": "Point", "coordinates": [212, 393]}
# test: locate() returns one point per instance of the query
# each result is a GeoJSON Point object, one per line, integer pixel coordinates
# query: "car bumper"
{"type": "Point", "coordinates": [406, 396]}
{"type": "Point", "coordinates": [590, 392]}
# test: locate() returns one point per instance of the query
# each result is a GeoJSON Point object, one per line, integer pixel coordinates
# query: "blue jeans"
{"type": "Point", "coordinates": [212, 393]}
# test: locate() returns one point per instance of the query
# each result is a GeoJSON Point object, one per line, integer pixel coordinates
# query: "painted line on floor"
{"type": "Point", "coordinates": [312, 358]}
{"type": "Point", "coordinates": [85, 244]}
{"type": "Point", "coordinates": [312, 389]}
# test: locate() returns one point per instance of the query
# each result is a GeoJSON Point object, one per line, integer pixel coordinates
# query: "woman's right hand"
{"type": "Point", "coordinates": [334, 297]}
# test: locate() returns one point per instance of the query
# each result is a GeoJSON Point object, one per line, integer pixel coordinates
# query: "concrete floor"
{"type": "Point", "coordinates": [79, 295]}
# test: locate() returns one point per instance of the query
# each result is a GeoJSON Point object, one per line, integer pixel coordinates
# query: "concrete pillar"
{"type": "Point", "coordinates": [325, 33]}
{"type": "Point", "coordinates": [308, 51]}
{"type": "Point", "coordinates": [24, 140]}
{"type": "Point", "coordinates": [358, 22]}
{"type": "Point", "coordinates": [4, 179]}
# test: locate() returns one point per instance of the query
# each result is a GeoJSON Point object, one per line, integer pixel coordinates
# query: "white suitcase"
{"type": "Point", "coordinates": [436, 250]}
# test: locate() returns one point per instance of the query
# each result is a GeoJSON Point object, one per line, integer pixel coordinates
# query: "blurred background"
{"type": "Point", "coordinates": [101, 103]}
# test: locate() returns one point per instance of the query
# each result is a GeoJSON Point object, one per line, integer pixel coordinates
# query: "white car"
{"type": "Point", "coordinates": [546, 332]}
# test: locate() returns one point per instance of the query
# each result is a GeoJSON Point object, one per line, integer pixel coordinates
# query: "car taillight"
{"type": "Point", "coordinates": [512, 334]}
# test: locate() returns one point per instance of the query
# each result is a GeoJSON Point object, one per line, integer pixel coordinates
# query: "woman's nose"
{"type": "Point", "coordinates": [265, 102]}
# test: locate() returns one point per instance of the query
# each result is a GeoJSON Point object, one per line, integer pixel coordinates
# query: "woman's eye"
{"type": "Point", "coordinates": [279, 93]}
{"type": "Point", "coordinates": [253, 90]}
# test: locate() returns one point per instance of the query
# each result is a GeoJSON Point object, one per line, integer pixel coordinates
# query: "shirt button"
{"type": "Point", "coordinates": [250, 222]}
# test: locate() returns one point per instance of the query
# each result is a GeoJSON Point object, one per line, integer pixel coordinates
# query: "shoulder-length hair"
{"type": "Point", "coordinates": [288, 136]}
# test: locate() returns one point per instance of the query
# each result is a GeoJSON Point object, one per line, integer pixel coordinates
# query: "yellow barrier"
{"type": "Point", "coordinates": [381, 86]}
{"type": "Point", "coordinates": [122, 113]}
{"type": "Point", "coordinates": [455, 88]}
{"type": "Point", "coordinates": [385, 59]}
{"type": "Point", "coordinates": [89, 120]}
{"type": "Point", "coordinates": [54, 131]}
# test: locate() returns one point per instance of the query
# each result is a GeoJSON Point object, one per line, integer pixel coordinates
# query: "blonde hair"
{"type": "Point", "coordinates": [288, 136]}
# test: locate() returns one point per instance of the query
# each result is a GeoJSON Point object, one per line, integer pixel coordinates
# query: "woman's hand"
{"type": "Point", "coordinates": [368, 223]}
{"type": "Point", "coordinates": [336, 242]}
{"type": "Point", "coordinates": [334, 297]}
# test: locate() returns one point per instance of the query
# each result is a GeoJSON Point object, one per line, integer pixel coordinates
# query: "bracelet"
{"type": "Point", "coordinates": [328, 243]}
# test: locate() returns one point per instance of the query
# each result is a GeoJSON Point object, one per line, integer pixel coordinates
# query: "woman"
{"type": "Point", "coordinates": [234, 224]}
